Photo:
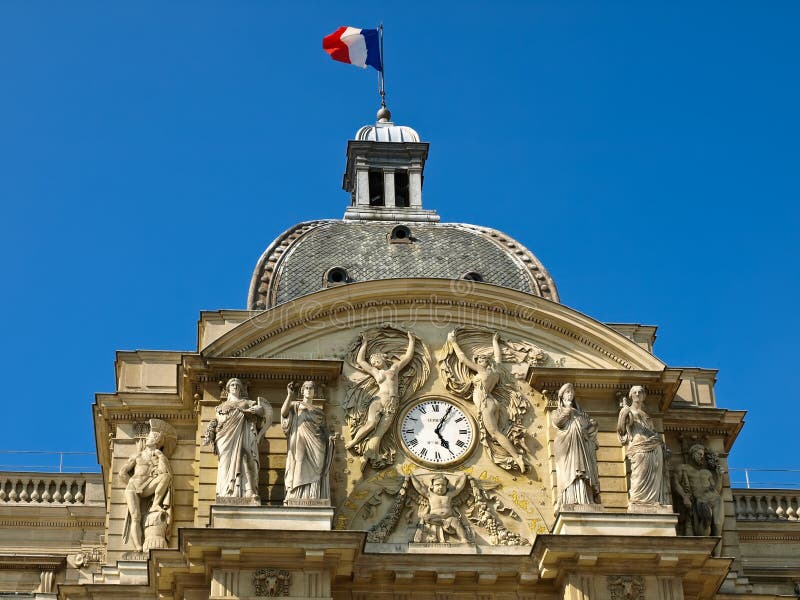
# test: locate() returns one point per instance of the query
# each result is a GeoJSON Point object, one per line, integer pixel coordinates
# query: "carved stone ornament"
{"type": "Point", "coordinates": [149, 486]}
{"type": "Point", "coordinates": [234, 435]}
{"type": "Point", "coordinates": [626, 587]}
{"type": "Point", "coordinates": [647, 454]}
{"type": "Point", "coordinates": [271, 583]}
{"type": "Point", "coordinates": [310, 447]}
{"type": "Point", "coordinates": [697, 492]}
{"type": "Point", "coordinates": [473, 367]}
{"type": "Point", "coordinates": [575, 448]}
{"type": "Point", "coordinates": [392, 365]}
{"type": "Point", "coordinates": [449, 506]}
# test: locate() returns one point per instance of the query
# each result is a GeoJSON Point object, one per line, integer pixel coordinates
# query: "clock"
{"type": "Point", "coordinates": [436, 432]}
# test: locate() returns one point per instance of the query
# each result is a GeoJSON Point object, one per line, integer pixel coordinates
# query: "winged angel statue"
{"type": "Point", "coordinates": [448, 507]}
{"type": "Point", "coordinates": [399, 363]}
{"type": "Point", "coordinates": [493, 389]}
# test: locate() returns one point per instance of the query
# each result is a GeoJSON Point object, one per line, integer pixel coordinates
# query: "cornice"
{"type": "Point", "coordinates": [337, 305]}
{"type": "Point", "coordinates": [661, 384]}
{"type": "Point", "coordinates": [705, 421]}
{"type": "Point", "coordinates": [269, 369]}
{"type": "Point", "coordinates": [43, 562]}
{"type": "Point", "coordinates": [67, 523]}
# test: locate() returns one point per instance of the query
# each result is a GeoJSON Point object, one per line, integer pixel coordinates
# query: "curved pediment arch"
{"type": "Point", "coordinates": [299, 328]}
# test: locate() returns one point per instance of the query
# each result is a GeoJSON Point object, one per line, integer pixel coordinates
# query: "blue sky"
{"type": "Point", "coordinates": [647, 153]}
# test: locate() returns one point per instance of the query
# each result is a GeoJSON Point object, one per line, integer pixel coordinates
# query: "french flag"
{"type": "Point", "coordinates": [360, 47]}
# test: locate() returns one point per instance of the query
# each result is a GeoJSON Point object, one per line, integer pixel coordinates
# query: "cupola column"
{"type": "Point", "coordinates": [388, 188]}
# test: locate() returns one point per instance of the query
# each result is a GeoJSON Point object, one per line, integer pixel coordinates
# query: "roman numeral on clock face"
{"type": "Point", "coordinates": [460, 443]}
{"type": "Point", "coordinates": [413, 443]}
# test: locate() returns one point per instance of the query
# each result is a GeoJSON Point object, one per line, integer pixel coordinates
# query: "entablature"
{"type": "Point", "coordinates": [660, 384]}
{"type": "Point", "coordinates": [705, 422]}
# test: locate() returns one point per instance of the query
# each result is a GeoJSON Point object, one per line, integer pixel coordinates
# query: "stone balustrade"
{"type": "Point", "coordinates": [767, 505]}
{"type": "Point", "coordinates": [45, 488]}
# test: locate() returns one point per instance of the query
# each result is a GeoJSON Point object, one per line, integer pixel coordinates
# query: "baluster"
{"type": "Point", "coordinates": [3, 494]}
{"type": "Point", "coordinates": [771, 516]}
{"type": "Point", "coordinates": [68, 497]}
{"type": "Point", "coordinates": [79, 497]}
{"type": "Point", "coordinates": [35, 496]}
{"type": "Point", "coordinates": [24, 496]}
{"type": "Point", "coordinates": [46, 497]}
{"type": "Point", "coordinates": [13, 496]}
{"type": "Point", "coordinates": [57, 494]}
{"type": "Point", "coordinates": [791, 512]}
{"type": "Point", "coordinates": [758, 513]}
{"type": "Point", "coordinates": [780, 512]}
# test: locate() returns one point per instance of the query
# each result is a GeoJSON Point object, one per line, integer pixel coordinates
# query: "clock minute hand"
{"type": "Point", "coordinates": [442, 420]}
{"type": "Point", "coordinates": [438, 431]}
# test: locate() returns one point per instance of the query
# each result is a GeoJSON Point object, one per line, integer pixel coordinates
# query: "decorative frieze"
{"type": "Point", "coordinates": [626, 587]}
{"type": "Point", "coordinates": [271, 583]}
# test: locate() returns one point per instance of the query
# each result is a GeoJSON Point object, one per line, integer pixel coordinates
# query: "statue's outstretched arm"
{"type": "Point", "coordinates": [288, 402]}
{"type": "Point", "coordinates": [498, 355]}
{"type": "Point", "coordinates": [458, 486]}
{"type": "Point", "coordinates": [451, 337]}
{"type": "Point", "coordinates": [406, 358]}
{"type": "Point", "coordinates": [419, 486]}
{"type": "Point", "coordinates": [361, 358]}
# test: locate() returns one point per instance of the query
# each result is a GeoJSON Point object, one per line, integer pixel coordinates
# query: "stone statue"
{"type": "Point", "coordinates": [644, 448]}
{"type": "Point", "coordinates": [310, 446]}
{"type": "Point", "coordinates": [148, 490]}
{"type": "Point", "coordinates": [235, 434]}
{"type": "Point", "coordinates": [575, 448]}
{"type": "Point", "coordinates": [439, 521]}
{"type": "Point", "coordinates": [697, 486]}
{"type": "Point", "coordinates": [498, 403]}
{"type": "Point", "coordinates": [372, 402]}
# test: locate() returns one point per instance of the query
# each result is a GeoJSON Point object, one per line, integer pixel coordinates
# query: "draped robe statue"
{"type": "Point", "coordinates": [647, 454]}
{"type": "Point", "coordinates": [575, 448]}
{"type": "Point", "coordinates": [310, 446]}
{"type": "Point", "coordinates": [235, 434]}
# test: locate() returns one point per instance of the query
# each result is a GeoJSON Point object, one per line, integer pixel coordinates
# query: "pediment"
{"type": "Point", "coordinates": [323, 324]}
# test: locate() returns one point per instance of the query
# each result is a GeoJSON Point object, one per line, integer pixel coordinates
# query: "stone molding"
{"type": "Point", "coordinates": [402, 294]}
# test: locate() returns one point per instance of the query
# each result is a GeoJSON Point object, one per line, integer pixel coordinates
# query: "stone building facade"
{"type": "Point", "coordinates": [461, 434]}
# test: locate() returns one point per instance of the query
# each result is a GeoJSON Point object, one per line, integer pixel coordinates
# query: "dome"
{"type": "Point", "coordinates": [386, 132]}
{"type": "Point", "coordinates": [316, 255]}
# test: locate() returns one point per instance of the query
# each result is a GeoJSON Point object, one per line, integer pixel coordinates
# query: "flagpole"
{"type": "Point", "coordinates": [383, 67]}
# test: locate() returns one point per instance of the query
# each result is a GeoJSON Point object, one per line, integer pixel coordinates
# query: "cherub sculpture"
{"type": "Point", "coordinates": [448, 506]}
{"type": "Point", "coordinates": [439, 521]}
{"type": "Point", "coordinates": [372, 402]}
{"type": "Point", "coordinates": [499, 404]}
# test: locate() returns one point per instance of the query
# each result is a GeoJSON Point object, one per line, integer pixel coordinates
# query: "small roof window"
{"type": "Point", "coordinates": [336, 276]}
{"type": "Point", "coordinates": [400, 235]}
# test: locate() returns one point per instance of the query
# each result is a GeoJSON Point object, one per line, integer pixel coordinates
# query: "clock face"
{"type": "Point", "coordinates": [437, 432]}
